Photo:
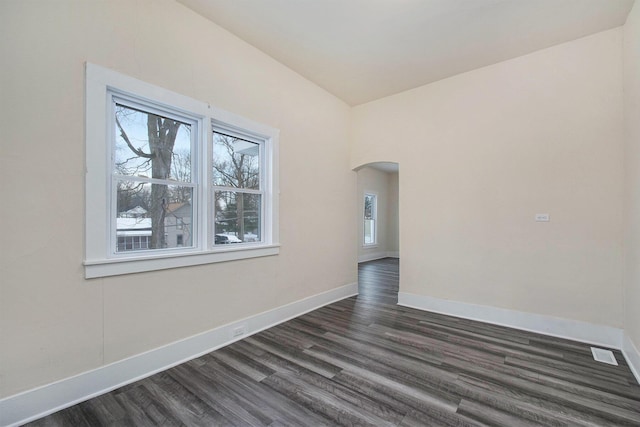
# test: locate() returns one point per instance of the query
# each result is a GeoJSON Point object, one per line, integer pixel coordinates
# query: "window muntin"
{"type": "Point", "coordinates": [132, 243]}
{"type": "Point", "coordinates": [370, 214]}
{"type": "Point", "coordinates": [152, 177]}
{"type": "Point", "coordinates": [238, 187]}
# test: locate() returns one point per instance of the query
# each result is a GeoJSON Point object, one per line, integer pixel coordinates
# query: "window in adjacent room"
{"type": "Point", "coordinates": [370, 214]}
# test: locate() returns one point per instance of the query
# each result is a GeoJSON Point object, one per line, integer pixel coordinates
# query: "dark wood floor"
{"type": "Point", "coordinates": [366, 361]}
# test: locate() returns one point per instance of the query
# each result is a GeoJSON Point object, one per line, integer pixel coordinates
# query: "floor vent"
{"type": "Point", "coordinates": [604, 356]}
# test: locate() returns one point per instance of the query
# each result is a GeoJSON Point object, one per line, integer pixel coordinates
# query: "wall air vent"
{"type": "Point", "coordinates": [604, 356]}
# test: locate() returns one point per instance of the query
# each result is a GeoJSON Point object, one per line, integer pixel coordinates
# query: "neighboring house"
{"type": "Point", "coordinates": [133, 233]}
{"type": "Point", "coordinates": [137, 212]}
{"type": "Point", "coordinates": [133, 228]}
{"type": "Point", "coordinates": [177, 225]}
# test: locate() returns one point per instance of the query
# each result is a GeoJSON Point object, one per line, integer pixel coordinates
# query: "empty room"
{"type": "Point", "coordinates": [305, 213]}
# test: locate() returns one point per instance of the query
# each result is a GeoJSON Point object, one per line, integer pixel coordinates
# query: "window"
{"type": "Point", "coordinates": [169, 178]}
{"type": "Point", "coordinates": [152, 180]}
{"type": "Point", "coordinates": [370, 214]}
{"type": "Point", "coordinates": [238, 188]}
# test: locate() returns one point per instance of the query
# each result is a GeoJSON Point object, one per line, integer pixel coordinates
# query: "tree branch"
{"type": "Point", "coordinates": [124, 136]}
{"type": "Point", "coordinates": [227, 176]}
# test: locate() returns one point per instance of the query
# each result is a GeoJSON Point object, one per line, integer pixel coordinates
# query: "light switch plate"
{"type": "Point", "coordinates": [543, 217]}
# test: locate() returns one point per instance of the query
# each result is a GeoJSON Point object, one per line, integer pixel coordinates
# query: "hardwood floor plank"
{"type": "Point", "coordinates": [402, 402]}
{"type": "Point", "coordinates": [214, 393]}
{"type": "Point", "coordinates": [186, 406]}
{"type": "Point", "coordinates": [294, 356]}
{"type": "Point", "coordinates": [240, 362]}
{"type": "Point", "coordinates": [108, 410]}
{"type": "Point", "coordinates": [367, 361]}
{"type": "Point", "coordinates": [526, 405]}
{"type": "Point", "coordinates": [535, 388]}
{"type": "Point", "coordinates": [341, 407]}
{"type": "Point", "coordinates": [594, 379]}
{"type": "Point", "coordinates": [275, 406]}
{"type": "Point", "coordinates": [490, 415]}
{"type": "Point", "coordinates": [435, 418]}
{"type": "Point", "coordinates": [143, 408]}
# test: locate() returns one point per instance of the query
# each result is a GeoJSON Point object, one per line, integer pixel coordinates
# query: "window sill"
{"type": "Point", "coordinates": [115, 267]}
{"type": "Point", "coordinates": [370, 246]}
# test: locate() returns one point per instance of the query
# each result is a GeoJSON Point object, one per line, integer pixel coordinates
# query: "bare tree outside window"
{"type": "Point", "coordinates": [152, 166]}
{"type": "Point", "coordinates": [236, 178]}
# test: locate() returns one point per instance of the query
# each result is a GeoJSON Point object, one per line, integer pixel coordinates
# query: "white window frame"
{"type": "Point", "coordinates": [100, 257]}
{"type": "Point", "coordinates": [374, 212]}
{"type": "Point", "coordinates": [265, 179]}
{"type": "Point", "coordinates": [196, 122]}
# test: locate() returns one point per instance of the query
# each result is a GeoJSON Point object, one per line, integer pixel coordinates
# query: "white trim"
{"type": "Point", "coordinates": [39, 402]}
{"type": "Point", "coordinates": [114, 267]}
{"type": "Point", "coordinates": [99, 83]}
{"type": "Point", "coordinates": [371, 256]}
{"type": "Point", "coordinates": [377, 255]}
{"type": "Point", "coordinates": [196, 124]}
{"type": "Point", "coordinates": [589, 333]}
{"type": "Point", "coordinates": [266, 139]}
{"type": "Point", "coordinates": [632, 355]}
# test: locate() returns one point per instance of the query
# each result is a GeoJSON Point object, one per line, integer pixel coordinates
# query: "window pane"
{"type": "Point", "coordinates": [369, 219]}
{"type": "Point", "coordinates": [151, 216]}
{"type": "Point", "coordinates": [369, 232]}
{"type": "Point", "coordinates": [235, 162]}
{"type": "Point", "coordinates": [369, 206]}
{"type": "Point", "coordinates": [151, 146]}
{"type": "Point", "coordinates": [237, 217]}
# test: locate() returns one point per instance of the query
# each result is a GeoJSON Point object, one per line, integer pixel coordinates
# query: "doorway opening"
{"type": "Point", "coordinates": [378, 231]}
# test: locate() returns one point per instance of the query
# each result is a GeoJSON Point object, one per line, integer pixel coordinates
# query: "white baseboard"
{"type": "Point", "coordinates": [377, 255]}
{"type": "Point", "coordinates": [632, 355]}
{"type": "Point", "coordinates": [39, 402]}
{"type": "Point", "coordinates": [606, 336]}
{"type": "Point", "coordinates": [371, 256]}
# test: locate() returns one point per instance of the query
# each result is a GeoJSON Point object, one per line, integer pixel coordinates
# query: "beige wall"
{"type": "Point", "coordinates": [382, 184]}
{"type": "Point", "coordinates": [631, 75]}
{"type": "Point", "coordinates": [53, 322]}
{"type": "Point", "coordinates": [481, 153]}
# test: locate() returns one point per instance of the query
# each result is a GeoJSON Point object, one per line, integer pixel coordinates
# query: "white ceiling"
{"type": "Point", "coordinates": [362, 50]}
